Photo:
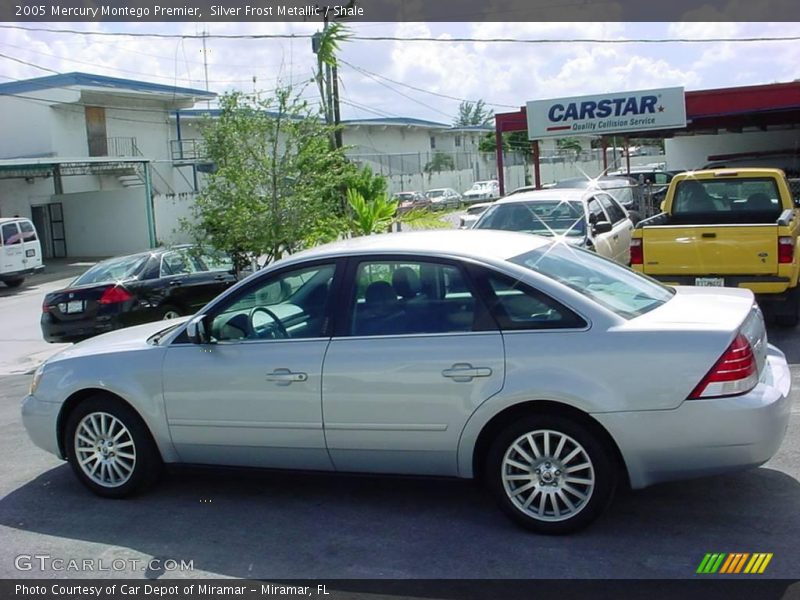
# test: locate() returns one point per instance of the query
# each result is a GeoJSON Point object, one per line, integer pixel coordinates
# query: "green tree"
{"type": "Point", "coordinates": [439, 162]}
{"type": "Point", "coordinates": [277, 184]}
{"type": "Point", "coordinates": [516, 141]}
{"type": "Point", "coordinates": [473, 113]}
{"type": "Point", "coordinates": [375, 215]}
{"type": "Point", "coordinates": [569, 146]}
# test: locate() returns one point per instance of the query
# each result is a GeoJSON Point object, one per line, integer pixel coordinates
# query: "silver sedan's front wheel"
{"type": "Point", "coordinates": [550, 474]}
{"type": "Point", "coordinates": [109, 447]}
{"type": "Point", "coordinates": [105, 450]}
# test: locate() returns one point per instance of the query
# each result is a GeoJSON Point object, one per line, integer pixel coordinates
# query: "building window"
{"type": "Point", "coordinates": [458, 141]}
{"type": "Point", "coordinates": [433, 142]}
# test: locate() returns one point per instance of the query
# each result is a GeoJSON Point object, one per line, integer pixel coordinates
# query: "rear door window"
{"type": "Point", "coordinates": [28, 231]}
{"type": "Point", "coordinates": [614, 210]}
{"type": "Point", "coordinates": [11, 235]}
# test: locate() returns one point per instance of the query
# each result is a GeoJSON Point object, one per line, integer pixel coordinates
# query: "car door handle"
{"type": "Point", "coordinates": [175, 282]}
{"type": "Point", "coordinates": [466, 372]}
{"type": "Point", "coordinates": [616, 237]}
{"type": "Point", "coordinates": [219, 277]}
{"type": "Point", "coordinates": [286, 377]}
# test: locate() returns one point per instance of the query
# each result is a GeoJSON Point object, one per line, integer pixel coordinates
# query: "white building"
{"type": "Point", "coordinates": [108, 166]}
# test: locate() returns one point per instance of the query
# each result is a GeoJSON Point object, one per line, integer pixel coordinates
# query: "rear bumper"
{"type": "Point", "coordinates": [74, 331]}
{"type": "Point", "coordinates": [23, 273]}
{"type": "Point", "coordinates": [706, 437]}
{"type": "Point", "coordinates": [759, 284]}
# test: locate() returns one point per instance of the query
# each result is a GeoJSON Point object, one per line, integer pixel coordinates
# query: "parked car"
{"type": "Point", "coordinates": [444, 198]}
{"type": "Point", "coordinates": [471, 215]}
{"type": "Point", "coordinates": [129, 290]}
{"type": "Point", "coordinates": [482, 190]}
{"type": "Point", "coordinates": [20, 251]}
{"type": "Point", "coordinates": [625, 190]}
{"type": "Point", "coordinates": [549, 372]}
{"type": "Point", "coordinates": [588, 218]}
{"type": "Point", "coordinates": [411, 200]}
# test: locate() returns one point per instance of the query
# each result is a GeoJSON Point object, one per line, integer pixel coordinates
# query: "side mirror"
{"type": "Point", "coordinates": [602, 227]}
{"type": "Point", "coordinates": [197, 330]}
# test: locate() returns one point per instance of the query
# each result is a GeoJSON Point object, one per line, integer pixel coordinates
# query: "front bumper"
{"type": "Point", "coordinates": [706, 437]}
{"type": "Point", "coordinates": [40, 420]}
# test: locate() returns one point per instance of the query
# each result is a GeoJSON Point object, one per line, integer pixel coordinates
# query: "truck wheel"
{"type": "Point", "coordinates": [14, 283]}
{"type": "Point", "coordinates": [790, 313]}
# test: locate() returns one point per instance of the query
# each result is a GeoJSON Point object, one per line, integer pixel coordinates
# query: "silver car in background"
{"type": "Point", "coordinates": [549, 372]}
{"type": "Point", "coordinates": [590, 219]}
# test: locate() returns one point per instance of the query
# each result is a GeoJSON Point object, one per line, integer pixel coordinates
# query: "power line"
{"type": "Point", "coordinates": [26, 63]}
{"type": "Point", "coordinates": [418, 89]}
{"type": "Point", "coordinates": [391, 38]}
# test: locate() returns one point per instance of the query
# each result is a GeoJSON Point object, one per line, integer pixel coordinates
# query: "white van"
{"type": "Point", "coordinates": [20, 251]}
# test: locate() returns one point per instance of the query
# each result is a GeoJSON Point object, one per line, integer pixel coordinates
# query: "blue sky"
{"type": "Point", "coordinates": [504, 75]}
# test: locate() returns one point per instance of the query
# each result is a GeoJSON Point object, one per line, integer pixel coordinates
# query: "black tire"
{"type": "Point", "coordinates": [169, 311]}
{"type": "Point", "coordinates": [789, 314]}
{"type": "Point", "coordinates": [144, 469]}
{"type": "Point", "coordinates": [14, 283]}
{"type": "Point", "coordinates": [601, 472]}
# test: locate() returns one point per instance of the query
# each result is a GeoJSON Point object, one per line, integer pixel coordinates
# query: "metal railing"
{"type": "Point", "coordinates": [122, 147]}
{"type": "Point", "coordinates": [188, 150]}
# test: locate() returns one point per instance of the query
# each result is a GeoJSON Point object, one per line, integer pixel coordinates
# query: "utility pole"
{"type": "Point", "coordinates": [205, 64]}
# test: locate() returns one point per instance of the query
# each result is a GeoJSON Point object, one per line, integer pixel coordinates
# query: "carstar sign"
{"type": "Point", "coordinates": [627, 112]}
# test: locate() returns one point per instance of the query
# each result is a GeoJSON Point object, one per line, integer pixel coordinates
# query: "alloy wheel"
{"type": "Point", "coordinates": [104, 449]}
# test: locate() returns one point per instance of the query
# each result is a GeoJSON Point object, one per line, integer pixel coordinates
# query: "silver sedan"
{"type": "Point", "coordinates": [551, 373]}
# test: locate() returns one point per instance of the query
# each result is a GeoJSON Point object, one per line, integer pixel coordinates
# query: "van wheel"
{"type": "Point", "coordinates": [109, 448]}
{"type": "Point", "coordinates": [550, 474]}
{"type": "Point", "coordinates": [14, 283]}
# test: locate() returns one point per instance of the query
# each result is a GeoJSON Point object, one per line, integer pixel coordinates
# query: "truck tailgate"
{"type": "Point", "coordinates": [710, 250]}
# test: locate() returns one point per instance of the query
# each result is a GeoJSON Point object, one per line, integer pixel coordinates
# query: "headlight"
{"type": "Point", "coordinates": [37, 377]}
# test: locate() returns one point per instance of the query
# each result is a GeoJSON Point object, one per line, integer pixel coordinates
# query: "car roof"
{"type": "Point", "coordinates": [563, 194]}
{"type": "Point", "coordinates": [9, 219]}
{"type": "Point", "coordinates": [480, 244]}
{"type": "Point", "coordinates": [601, 182]}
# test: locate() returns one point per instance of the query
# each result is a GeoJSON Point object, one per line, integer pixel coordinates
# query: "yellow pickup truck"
{"type": "Point", "coordinates": [726, 227]}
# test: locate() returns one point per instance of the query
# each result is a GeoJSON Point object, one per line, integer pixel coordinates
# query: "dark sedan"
{"type": "Point", "coordinates": [129, 290]}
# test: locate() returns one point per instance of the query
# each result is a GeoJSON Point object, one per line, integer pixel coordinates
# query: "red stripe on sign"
{"type": "Point", "coordinates": [559, 128]}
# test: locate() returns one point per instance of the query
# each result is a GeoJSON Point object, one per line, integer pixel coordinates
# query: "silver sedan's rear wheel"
{"type": "Point", "coordinates": [109, 447]}
{"type": "Point", "coordinates": [550, 474]}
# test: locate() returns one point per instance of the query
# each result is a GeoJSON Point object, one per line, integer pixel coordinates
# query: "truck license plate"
{"type": "Point", "coordinates": [709, 281]}
{"type": "Point", "coordinates": [71, 307]}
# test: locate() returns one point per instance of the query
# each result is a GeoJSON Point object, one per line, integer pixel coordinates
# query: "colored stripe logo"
{"type": "Point", "coordinates": [734, 563]}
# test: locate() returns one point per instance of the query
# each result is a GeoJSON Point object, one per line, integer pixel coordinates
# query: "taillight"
{"type": "Point", "coordinates": [785, 250]}
{"type": "Point", "coordinates": [734, 373]}
{"type": "Point", "coordinates": [114, 295]}
{"type": "Point", "coordinates": [637, 252]}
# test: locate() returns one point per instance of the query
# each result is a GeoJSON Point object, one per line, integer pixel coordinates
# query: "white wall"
{"type": "Point", "coordinates": [105, 223]}
{"type": "Point", "coordinates": [169, 211]}
{"type": "Point", "coordinates": [692, 152]}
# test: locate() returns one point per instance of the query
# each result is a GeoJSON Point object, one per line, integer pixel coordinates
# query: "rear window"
{"type": "Point", "coordinates": [727, 200]}
{"type": "Point", "coordinates": [116, 269]}
{"type": "Point", "coordinates": [542, 217]}
{"type": "Point", "coordinates": [28, 232]}
{"type": "Point", "coordinates": [10, 234]}
{"type": "Point", "coordinates": [609, 284]}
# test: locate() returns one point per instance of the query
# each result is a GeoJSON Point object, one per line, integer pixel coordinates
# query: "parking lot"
{"type": "Point", "coordinates": [237, 523]}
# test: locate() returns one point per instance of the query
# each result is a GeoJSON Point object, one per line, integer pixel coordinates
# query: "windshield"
{"type": "Point", "coordinates": [543, 217]}
{"type": "Point", "coordinates": [435, 193]}
{"type": "Point", "coordinates": [116, 269]}
{"type": "Point", "coordinates": [616, 288]}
